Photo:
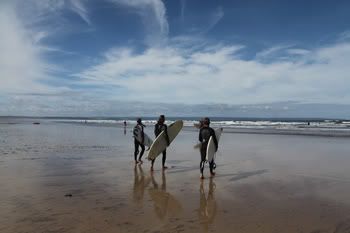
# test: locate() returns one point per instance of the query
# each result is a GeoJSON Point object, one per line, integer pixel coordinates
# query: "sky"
{"type": "Point", "coordinates": [133, 57]}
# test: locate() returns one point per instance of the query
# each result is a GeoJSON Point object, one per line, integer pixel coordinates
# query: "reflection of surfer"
{"type": "Point", "coordinates": [140, 183]}
{"type": "Point", "coordinates": [164, 203]}
{"type": "Point", "coordinates": [207, 205]}
{"type": "Point", "coordinates": [204, 135]}
{"type": "Point", "coordinates": [160, 197]}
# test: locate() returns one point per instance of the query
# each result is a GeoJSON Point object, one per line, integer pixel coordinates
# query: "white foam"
{"type": "Point", "coordinates": [263, 124]}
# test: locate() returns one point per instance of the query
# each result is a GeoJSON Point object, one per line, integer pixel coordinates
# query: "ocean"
{"type": "Point", "coordinates": [289, 126]}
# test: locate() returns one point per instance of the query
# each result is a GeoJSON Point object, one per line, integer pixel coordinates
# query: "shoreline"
{"type": "Point", "coordinates": [323, 128]}
{"type": "Point", "coordinates": [316, 132]}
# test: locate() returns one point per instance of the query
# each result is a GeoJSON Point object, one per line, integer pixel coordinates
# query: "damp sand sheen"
{"type": "Point", "coordinates": [80, 178]}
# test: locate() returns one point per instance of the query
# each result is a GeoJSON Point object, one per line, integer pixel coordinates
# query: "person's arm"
{"type": "Point", "coordinates": [142, 136]}
{"type": "Point", "coordinates": [156, 130]}
{"type": "Point", "coordinates": [134, 132]}
{"type": "Point", "coordinates": [166, 134]}
{"type": "Point", "coordinates": [200, 138]}
{"type": "Point", "coordinates": [215, 139]}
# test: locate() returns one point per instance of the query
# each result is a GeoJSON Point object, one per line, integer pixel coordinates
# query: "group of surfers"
{"type": "Point", "coordinates": [205, 133]}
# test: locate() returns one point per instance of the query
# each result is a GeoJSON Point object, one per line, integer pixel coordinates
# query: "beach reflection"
{"type": "Point", "coordinates": [207, 205]}
{"type": "Point", "coordinates": [140, 183]}
{"type": "Point", "coordinates": [165, 204]}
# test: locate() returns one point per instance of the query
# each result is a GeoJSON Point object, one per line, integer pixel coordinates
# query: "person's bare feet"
{"type": "Point", "coordinates": [212, 174]}
{"type": "Point", "coordinates": [136, 162]}
{"type": "Point", "coordinates": [165, 167]}
{"type": "Point", "coordinates": [140, 161]}
{"type": "Point", "coordinates": [201, 177]}
{"type": "Point", "coordinates": [152, 169]}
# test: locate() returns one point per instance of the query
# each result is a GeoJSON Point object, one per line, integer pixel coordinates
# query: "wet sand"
{"type": "Point", "coordinates": [76, 178]}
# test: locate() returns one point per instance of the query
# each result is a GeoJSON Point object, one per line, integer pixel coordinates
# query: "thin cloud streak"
{"type": "Point", "coordinates": [270, 52]}
{"type": "Point", "coordinates": [182, 10]}
{"type": "Point", "coordinates": [215, 18]}
{"type": "Point", "coordinates": [298, 51]}
{"type": "Point", "coordinates": [153, 15]}
{"type": "Point", "coordinates": [79, 8]}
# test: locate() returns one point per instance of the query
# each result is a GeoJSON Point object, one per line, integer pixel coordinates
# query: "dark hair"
{"type": "Point", "coordinates": [139, 120]}
{"type": "Point", "coordinates": [206, 121]}
{"type": "Point", "coordinates": [161, 117]}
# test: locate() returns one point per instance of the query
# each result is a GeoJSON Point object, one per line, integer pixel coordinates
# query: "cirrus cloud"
{"type": "Point", "coordinates": [153, 15]}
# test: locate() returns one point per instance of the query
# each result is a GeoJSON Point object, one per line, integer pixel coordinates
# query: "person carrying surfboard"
{"type": "Point", "coordinates": [138, 129]}
{"type": "Point", "coordinates": [204, 135]}
{"type": "Point", "coordinates": [158, 128]}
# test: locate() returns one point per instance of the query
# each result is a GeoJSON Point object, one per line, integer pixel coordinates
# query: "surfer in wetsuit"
{"type": "Point", "coordinates": [158, 128]}
{"type": "Point", "coordinates": [204, 135]}
{"type": "Point", "coordinates": [138, 129]}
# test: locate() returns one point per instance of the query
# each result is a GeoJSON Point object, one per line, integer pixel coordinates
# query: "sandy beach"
{"type": "Point", "coordinates": [57, 177]}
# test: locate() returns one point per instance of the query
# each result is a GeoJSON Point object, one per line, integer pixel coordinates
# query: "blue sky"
{"type": "Point", "coordinates": [85, 57]}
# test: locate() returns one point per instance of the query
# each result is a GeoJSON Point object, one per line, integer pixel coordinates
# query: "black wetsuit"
{"type": "Point", "coordinates": [138, 129]}
{"type": "Point", "coordinates": [204, 135]}
{"type": "Point", "coordinates": [158, 128]}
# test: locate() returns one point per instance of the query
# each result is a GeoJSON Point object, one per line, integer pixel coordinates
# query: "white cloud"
{"type": "Point", "coordinates": [219, 75]}
{"type": "Point", "coordinates": [20, 63]}
{"type": "Point", "coordinates": [23, 68]}
{"type": "Point", "coordinates": [153, 14]}
{"type": "Point", "coordinates": [185, 70]}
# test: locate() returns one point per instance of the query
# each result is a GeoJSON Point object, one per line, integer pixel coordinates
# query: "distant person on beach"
{"type": "Point", "coordinates": [124, 123]}
{"type": "Point", "coordinates": [138, 129]}
{"type": "Point", "coordinates": [204, 135]}
{"type": "Point", "coordinates": [158, 128]}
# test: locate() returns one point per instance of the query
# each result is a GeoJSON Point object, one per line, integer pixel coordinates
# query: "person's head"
{"type": "Point", "coordinates": [161, 119]}
{"type": "Point", "coordinates": [139, 121]}
{"type": "Point", "coordinates": [206, 121]}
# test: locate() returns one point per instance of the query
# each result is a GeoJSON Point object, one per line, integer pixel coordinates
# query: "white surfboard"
{"type": "Point", "coordinates": [160, 143]}
{"type": "Point", "coordinates": [211, 149]}
{"type": "Point", "coordinates": [138, 136]}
